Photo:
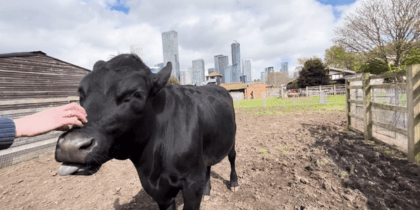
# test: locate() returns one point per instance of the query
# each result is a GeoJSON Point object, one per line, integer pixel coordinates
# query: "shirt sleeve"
{"type": "Point", "coordinates": [7, 132]}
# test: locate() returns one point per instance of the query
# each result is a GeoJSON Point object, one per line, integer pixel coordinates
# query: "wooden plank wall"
{"type": "Point", "coordinates": [29, 85]}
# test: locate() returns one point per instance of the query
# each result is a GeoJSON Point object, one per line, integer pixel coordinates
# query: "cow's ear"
{"type": "Point", "coordinates": [98, 64]}
{"type": "Point", "coordinates": [161, 78]}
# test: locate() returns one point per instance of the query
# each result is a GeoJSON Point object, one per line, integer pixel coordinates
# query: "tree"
{"type": "Point", "coordinates": [172, 80]}
{"type": "Point", "coordinates": [381, 29]}
{"type": "Point", "coordinates": [337, 57]}
{"type": "Point", "coordinates": [278, 78]}
{"type": "Point", "coordinates": [413, 57]}
{"type": "Point", "coordinates": [312, 74]}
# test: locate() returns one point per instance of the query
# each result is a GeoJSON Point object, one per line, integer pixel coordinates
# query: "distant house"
{"type": "Point", "coordinates": [213, 78]}
{"type": "Point", "coordinates": [339, 75]}
{"type": "Point", "coordinates": [236, 90]}
{"type": "Point", "coordinates": [258, 90]}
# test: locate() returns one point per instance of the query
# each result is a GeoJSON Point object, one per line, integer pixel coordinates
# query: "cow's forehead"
{"type": "Point", "coordinates": [103, 79]}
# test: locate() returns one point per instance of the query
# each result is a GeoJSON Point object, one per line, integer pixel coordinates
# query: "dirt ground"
{"type": "Point", "coordinates": [293, 160]}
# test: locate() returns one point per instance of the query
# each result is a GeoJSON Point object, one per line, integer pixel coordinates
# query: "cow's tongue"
{"type": "Point", "coordinates": [68, 168]}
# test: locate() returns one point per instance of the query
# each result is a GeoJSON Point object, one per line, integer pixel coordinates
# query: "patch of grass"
{"type": "Point", "coordinates": [284, 149]}
{"type": "Point", "coordinates": [389, 152]}
{"type": "Point", "coordinates": [265, 152]}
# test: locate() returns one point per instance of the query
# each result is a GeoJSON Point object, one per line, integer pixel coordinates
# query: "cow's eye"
{"type": "Point", "coordinates": [137, 95]}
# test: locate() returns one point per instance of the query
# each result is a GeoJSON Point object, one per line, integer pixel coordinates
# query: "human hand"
{"type": "Point", "coordinates": [58, 118]}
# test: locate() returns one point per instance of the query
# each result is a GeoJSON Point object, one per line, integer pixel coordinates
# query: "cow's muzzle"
{"type": "Point", "coordinates": [73, 147]}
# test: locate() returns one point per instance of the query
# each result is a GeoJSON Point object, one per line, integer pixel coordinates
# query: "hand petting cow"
{"type": "Point", "coordinates": [173, 134]}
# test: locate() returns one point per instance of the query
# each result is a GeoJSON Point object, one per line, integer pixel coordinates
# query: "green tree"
{"type": "Point", "coordinates": [172, 80]}
{"type": "Point", "coordinates": [313, 73]}
{"type": "Point", "coordinates": [413, 57]}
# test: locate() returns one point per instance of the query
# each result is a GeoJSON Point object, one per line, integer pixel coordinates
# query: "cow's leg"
{"type": "Point", "coordinates": [193, 191]}
{"type": "Point", "coordinates": [169, 206]}
{"type": "Point", "coordinates": [233, 177]}
{"type": "Point", "coordinates": [207, 186]}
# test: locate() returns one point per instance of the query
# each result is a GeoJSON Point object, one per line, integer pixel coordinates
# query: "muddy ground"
{"type": "Point", "coordinates": [289, 160]}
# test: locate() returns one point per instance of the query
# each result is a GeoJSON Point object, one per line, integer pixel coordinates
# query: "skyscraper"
{"type": "Point", "coordinates": [210, 70]}
{"type": "Point", "coordinates": [236, 61]}
{"type": "Point", "coordinates": [170, 51]}
{"type": "Point", "coordinates": [198, 71]}
{"type": "Point", "coordinates": [186, 78]}
{"type": "Point", "coordinates": [220, 63]}
{"type": "Point", "coordinates": [247, 70]}
{"type": "Point", "coordinates": [228, 73]}
{"type": "Point", "coordinates": [269, 69]}
{"type": "Point", "coordinates": [284, 67]}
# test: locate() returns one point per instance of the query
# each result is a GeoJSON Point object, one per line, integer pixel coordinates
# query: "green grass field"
{"type": "Point", "coordinates": [285, 105]}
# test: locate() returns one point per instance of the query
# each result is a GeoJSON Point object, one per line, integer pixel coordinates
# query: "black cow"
{"type": "Point", "coordinates": [173, 134]}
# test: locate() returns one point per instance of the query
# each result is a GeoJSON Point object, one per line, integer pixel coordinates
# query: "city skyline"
{"type": "Point", "coordinates": [84, 41]}
{"type": "Point", "coordinates": [236, 61]}
{"type": "Point", "coordinates": [220, 63]}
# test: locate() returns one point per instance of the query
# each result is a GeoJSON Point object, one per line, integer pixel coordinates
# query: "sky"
{"type": "Point", "coordinates": [84, 31]}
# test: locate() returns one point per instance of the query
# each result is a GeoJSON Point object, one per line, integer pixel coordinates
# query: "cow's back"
{"type": "Point", "coordinates": [205, 110]}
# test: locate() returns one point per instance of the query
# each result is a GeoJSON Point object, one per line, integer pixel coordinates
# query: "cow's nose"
{"type": "Point", "coordinates": [73, 148]}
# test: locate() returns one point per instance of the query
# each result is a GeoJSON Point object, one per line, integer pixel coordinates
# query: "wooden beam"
{"type": "Point", "coordinates": [390, 86]}
{"type": "Point", "coordinates": [355, 101]}
{"type": "Point", "coordinates": [354, 79]}
{"type": "Point", "coordinates": [356, 87]}
{"type": "Point", "coordinates": [346, 82]}
{"type": "Point", "coordinates": [38, 100]}
{"type": "Point", "coordinates": [367, 106]}
{"type": "Point", "coordinates": [390, 127]}
{"type": "Point", "coordinates": [389, 107]}
{"type": "Point", "coordinates": [413, 109]}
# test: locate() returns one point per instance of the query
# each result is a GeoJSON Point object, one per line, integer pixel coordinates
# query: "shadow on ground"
{"type": "Point", "coordinates": [380, 172]}
{"type": "Point", "coordinates": [143, 200]}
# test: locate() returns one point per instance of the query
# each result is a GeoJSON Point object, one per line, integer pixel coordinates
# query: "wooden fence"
{"type": "Point", "coordinates": [317, 90]}
{"type": "Point", "coordinates": [411, 109]}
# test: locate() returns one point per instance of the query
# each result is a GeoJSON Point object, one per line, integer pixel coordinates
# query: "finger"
{"type": "Point", "coordinates": [77, 107]}
{"type": "Point", "coordinates": [78, 114]}
{"type": "Point", "coordinates": [73, 121]}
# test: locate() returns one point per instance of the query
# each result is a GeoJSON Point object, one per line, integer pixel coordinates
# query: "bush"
{"type": "Point", "coordinates": [313, 74]}
{"type": "Point", "coordinates": [172, 80]}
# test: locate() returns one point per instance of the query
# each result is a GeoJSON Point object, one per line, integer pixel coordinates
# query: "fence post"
{"type": "Point", "coordinates": [282, 93]}
{"type": "Point", "coordinates": [413, 110]}
{"type": "Point", "coordinates": [334, 89]}
{"type": "Point", "coordinates": [264, 101]}
{"type": "Point", "coordinates": [307, 91]}
{"type": "Point", "coordinates": [367, 106]}
{"type": "Point", "coordinates": [347, 84]}
{"type": "Point", "coordinates": [319, 91]}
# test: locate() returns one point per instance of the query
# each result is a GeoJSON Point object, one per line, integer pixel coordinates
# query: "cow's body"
{"type": "Point", "coordinates": [173, 134]}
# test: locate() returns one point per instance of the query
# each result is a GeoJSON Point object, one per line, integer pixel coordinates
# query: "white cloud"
{"type": "Point", "coordinates": [83, 32]}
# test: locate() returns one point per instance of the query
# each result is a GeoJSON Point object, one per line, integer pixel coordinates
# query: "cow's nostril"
{"type": "Point", "coordinates": [88, 143]}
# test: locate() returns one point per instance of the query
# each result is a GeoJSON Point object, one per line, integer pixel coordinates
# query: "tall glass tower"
{"type": "Point", "coordinates": [220, 63]}
{"type": "Point", "coordinates": [247, 70]}
{"type": "Point", "coordinates": [236, 62]}
{"type": "Point", "coordinates": [170, 52]}
{"type": "Point", "coordinates": [198, 71]}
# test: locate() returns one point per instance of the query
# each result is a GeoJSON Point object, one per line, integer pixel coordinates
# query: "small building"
{"type": "Point", "coordinates": [236, 90]}
{"type": "Point", "coordinates": [258, 91]}
{"type": "Point", "coordinates": [338, 75]}
{"type": "Point", "coordinates": [213, 78]}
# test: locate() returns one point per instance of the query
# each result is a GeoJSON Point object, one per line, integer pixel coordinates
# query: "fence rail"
{"type": "Point", "coordinates": [376, 112]}
{"type": "Point", "coordinates": [315, 91]}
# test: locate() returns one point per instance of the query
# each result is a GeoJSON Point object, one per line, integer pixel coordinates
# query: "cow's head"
{"type": "Point", "coordinates": [116, 96]}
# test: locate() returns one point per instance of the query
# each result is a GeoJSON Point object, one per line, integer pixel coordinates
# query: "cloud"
{"type": "Point", "coordinates": [83, 32]}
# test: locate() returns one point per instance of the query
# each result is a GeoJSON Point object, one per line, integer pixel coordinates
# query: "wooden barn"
{"type": "Point", "coordinates": [31, 82]}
